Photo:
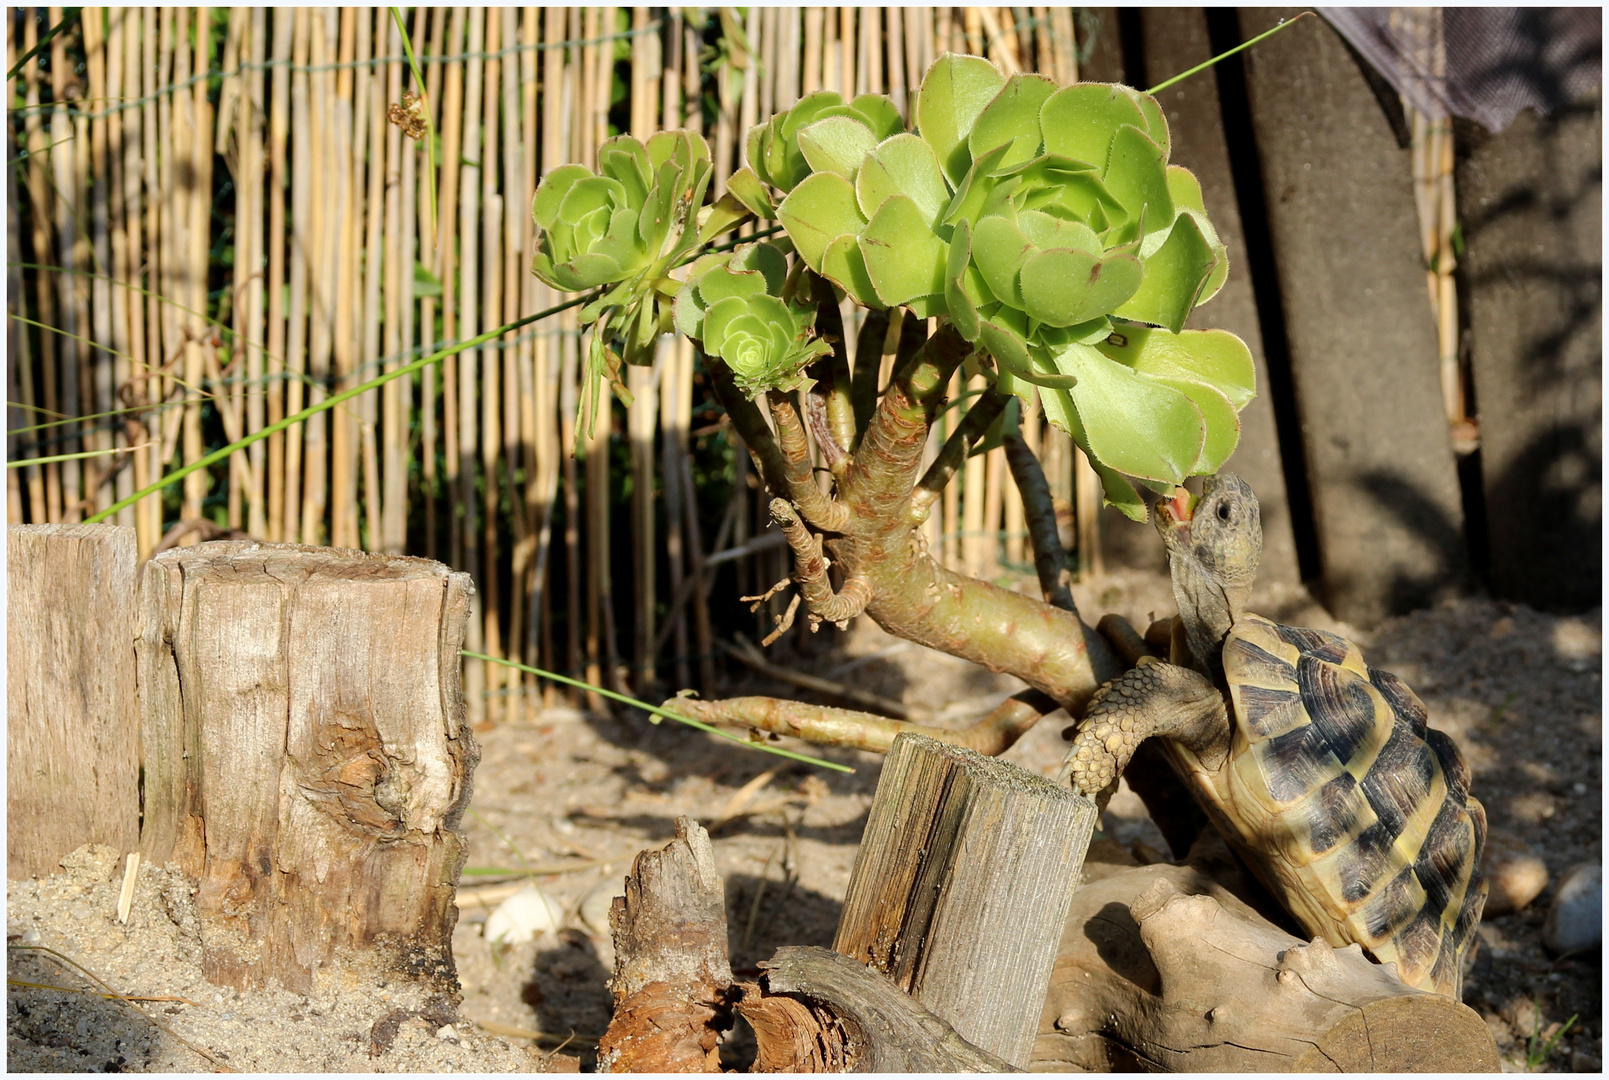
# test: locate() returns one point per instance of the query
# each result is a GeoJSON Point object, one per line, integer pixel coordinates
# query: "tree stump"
{"type": "Point", "coordinates": [72, 729]}
{"type": "Point", "coordinates": [306, 756]}
{"type": "Point", "coordinates": [812, 1010]}
{"type": "Point", "coordinates": [1163, 968]}
{"type": "Point", "coordinates": [671, 967]}
{"type": "Point", "coordinates": [961, 887]}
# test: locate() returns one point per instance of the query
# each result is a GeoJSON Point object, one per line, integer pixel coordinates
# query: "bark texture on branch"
{"type": "Point", "coordinates": [72, 729]}
{"type": "Point", "coordinates": [876, 539]}
{"type": "Point", "coordinates": [1162, 968]}
{"type": "Point", "coordinates": [961, 887]}
{"type": "Point", "coordinates": [671, 969]}
{"type": "Point", "coordinates": [819, 1011]}
{"type": "Point", "coordinates": [306, 756]}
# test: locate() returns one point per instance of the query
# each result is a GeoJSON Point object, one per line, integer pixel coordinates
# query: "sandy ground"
{"type": "Point", "coordinates": [574, 798]}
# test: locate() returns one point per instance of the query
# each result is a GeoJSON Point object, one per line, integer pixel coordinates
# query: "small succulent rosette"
{"type": "Point", "coordinates": [1046, 224]}
{"type": "Point", "coordinates": [732, 304]}
{"type": "Point", "coordinates": [622, 229]}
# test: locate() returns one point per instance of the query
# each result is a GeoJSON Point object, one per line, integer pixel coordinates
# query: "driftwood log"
{"type": "Point", "coordinates": [961, 886]}
{"type": "Point", "coordinates": [306, 756]}
{"type": "Point", "coordinates": [72, 728]}
{"type": "Point", "coordinates": [1163, 968]}
{"type": "Point", "coordinates": [812, 1010]}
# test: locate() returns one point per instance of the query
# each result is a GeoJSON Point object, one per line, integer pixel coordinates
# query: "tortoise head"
{"type": "Point", "coordinates": [1213, 545]}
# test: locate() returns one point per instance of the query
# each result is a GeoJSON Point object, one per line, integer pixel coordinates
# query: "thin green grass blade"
{"type": "Point", "coordinates": [656, 711]}
{"type": "Point", "coordinates": [1159, 87]}
{"type": "Point", "coordinates": [69, 16]}
{"type": "Point", "coordinates": [25, 462]}
{"type": "Point", "coordinates": [330, 403]}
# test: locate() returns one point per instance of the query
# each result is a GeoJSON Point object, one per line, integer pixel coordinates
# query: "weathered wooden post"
{"type": "Point", "coordinates": [72, 724]}
{"type": "Point", "coordinates": [962, 885]}
{"type": "Point", "coordinates": [306, 756]}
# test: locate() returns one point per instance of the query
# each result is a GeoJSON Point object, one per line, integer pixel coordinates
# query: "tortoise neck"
{"type": "Point", "coordinates": [1208, 608]}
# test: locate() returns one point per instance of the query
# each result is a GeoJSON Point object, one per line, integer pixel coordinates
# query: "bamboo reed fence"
{"type": "Point", "coordinates": [213, 225]}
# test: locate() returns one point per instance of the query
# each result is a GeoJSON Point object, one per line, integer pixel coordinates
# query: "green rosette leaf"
{"type": "Point", "coordinates": [904, 260]}
{"type": "Point", "coordinates": [817, 212]}
{"type": "Point", "coordinates": [954, 93]}
{"type": "Point", "coordinates": [1134, 425]}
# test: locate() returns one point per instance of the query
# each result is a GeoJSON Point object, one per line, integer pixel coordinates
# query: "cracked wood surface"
{"type": "Point", "coordinates": [1163, 968]}
{"type": "Point", "coordinates": [306, 755]}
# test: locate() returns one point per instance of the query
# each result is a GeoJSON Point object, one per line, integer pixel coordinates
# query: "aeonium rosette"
{"type": "Point", "coordinates": [1046, 224]}
{"type": "Point", "coordinates": [622, 229]}
{"type": "Point", "coordinates": [733, 305]}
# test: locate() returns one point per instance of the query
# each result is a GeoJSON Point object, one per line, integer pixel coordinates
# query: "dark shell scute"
{"type": "Point", "coordinates": [1295, 764]}
{"type": "Point", "coordinates": [1392, 907]}
{"type": "Point", "coordinates": [1452, 762]}
{"type": "Point", "coordinates": [1446, 857]}
{"type": "Point", "coordinates": [1339, 706]}
{"type": "Point", "coordinates": [1333, 815]}
{"type": "Point", "coordinates": [1403, 701]}
{"type": "Point", "coordinates": [1400, 778]}
{"type": "Point", "coordinates": [1420, 940]}
{"type": "Point", "coordinates": [1269, 712]}
{"type": "Point", "coordinates": [1314, 643]}
{"type": "Point", "coordinates": [1360, 864]}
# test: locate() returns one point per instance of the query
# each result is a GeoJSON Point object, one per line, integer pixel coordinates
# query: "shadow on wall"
{"type": "Point", "coordinates": [1439, 535]}
{"type": "Point", "coordinates": [1558, 477]}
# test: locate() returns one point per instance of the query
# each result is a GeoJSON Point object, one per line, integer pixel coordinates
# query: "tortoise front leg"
{"type": "Point", "coordinates": [1151, 699]}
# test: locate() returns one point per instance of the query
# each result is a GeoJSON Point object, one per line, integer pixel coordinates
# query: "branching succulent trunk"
{"type": "Point", "coordinates": [871, 525]}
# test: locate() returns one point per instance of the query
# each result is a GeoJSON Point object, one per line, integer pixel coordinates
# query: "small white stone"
{"type": "Point", "coordinates": [1575, 921]}
{"type": "Point", "coordinates": [447, 1032]}
{"type": "Point", "coordinates": [595, 907]}
{"type": "Point", "coordinates": [525, 916]}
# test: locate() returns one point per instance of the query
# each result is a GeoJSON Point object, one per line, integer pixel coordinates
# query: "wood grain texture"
{"type": "Point", "coordinates": [1164, 969]}
{"type": "Point", "coordinates": [841, 1016]}
{"type": "Point", "coordinates": [72, 730]}
{"type": "Point", "coordinates": [671, 968]}
{"type": "Point", "coordinates": [306, 756]}
{"type": "Point", "coordinates": [962, 882]}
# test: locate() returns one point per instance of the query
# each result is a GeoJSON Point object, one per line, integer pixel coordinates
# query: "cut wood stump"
{"type": "Point", "coordinates": [72, 722]}
{"type": "Point", "coordinates": [961, 888]}
{"type": "Point", "coordinates": [1163, 968]}
{"type": "Point", "coordinates": [671, 967]}
{"type": "Point", "coordinates": [812, 1011]}
{"type": "Point", "coordinates": [306, 756]}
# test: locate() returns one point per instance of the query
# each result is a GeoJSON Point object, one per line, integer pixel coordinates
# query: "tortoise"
{"type": "Point", "coordinates": [1319, 770]}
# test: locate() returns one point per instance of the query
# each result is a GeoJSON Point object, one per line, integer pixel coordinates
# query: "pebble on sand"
{"type": "Point", "coordinates": [1515, 871]}
{"type": "Point", "coordinates": [1575, 921]}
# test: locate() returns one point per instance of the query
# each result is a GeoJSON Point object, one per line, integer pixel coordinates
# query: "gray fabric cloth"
{"type": "Point", "coordinates": [1484, 64]}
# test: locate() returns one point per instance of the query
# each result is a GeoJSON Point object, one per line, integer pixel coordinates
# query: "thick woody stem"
{"type": "Point", "coordinates": [828, 726]}
{"type": "Point", "coordinates": [818, 415]}
{"type": "Point", "coordinates": [885, 466]}
{"type": "Point", "coordinates": [820, 510]}
{"type": "Point", "coordinates": [751, 428]}
{"type": "Point", "coordinates": [882, 333]}
{"type": "Point", "coordinates": [984, 411]}
{"type": "Point", "coordinates": [1050, 561]}
{"type": "Point", "coordinates": [810, 571]}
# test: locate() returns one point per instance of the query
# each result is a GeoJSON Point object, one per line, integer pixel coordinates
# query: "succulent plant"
{"type": "Point", "coordinates": [622, 229]}
{"type": "Point", "coordinates": [1046, 224]}
{"type": "Point", "coordinates": [732, 303]}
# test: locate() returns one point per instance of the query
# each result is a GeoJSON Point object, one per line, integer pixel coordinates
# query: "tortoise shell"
{"type": "Point", "coordinates": [1359, 811]}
